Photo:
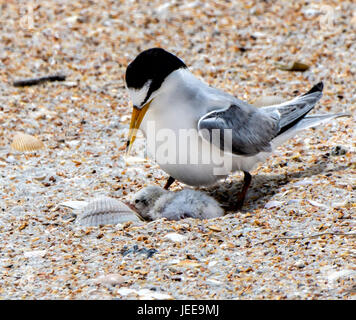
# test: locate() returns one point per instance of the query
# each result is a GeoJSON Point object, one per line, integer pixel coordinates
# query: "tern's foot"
{"type": "Point", "coordinates": [237, 205]}
{"type": "Point", "coordinates": [240, 201]}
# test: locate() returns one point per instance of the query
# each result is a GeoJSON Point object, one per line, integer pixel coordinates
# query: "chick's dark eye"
{"type": "Point", "coordinates": [137, 201]}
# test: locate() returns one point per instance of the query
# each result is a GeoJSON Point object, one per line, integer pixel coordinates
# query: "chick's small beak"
{"type": "Point", "coordinates": [136, 119]}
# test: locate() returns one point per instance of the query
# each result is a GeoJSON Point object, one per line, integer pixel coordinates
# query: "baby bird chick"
{"type": "Point", "coordinates": [145, 199]}
{"type": "Point", "coordinates": [154, 202]}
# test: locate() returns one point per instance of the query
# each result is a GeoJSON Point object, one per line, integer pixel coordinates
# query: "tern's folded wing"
{"type": "Point", "coordinates": [239, 130]}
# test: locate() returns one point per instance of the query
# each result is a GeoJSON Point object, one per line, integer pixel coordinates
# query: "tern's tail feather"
{"type": "Point", "coordinates": [307, 122]}
{"type": "Point", "coordinates": [292, 112]}
{"type": "Point", "coordinates": [316, 119]}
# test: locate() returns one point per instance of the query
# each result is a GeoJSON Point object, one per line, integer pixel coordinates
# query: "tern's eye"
{"type": "Point", "coordinates": [137, 201]}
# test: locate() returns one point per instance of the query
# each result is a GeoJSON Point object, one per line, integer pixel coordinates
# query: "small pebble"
{"type": "Point", "coordinates": [338, 151]}
{"type": "Point", "coordinates": [110, 279]}
{"type": "Point", "coordinates": [300, 264]}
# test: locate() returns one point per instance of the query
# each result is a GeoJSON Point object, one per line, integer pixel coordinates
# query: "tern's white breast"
{"type": "Point", "coordinates": [173, 141]}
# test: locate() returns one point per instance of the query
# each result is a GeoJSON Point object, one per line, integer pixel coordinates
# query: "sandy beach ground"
{"type": "Point", "coordinates": [295, 236]}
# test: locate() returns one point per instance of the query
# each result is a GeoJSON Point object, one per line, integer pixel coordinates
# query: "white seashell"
{"type": "Point", "coordinates": [317, 204]}
{"type": "Point", "coordinates": [125, 118]}
{"type": "Point", "coordinates": [213, 281]}
{"type": "Point", "coordinates": [173, 261]}
{"type": "Point", "coordinates": [76, 205]}
{"type": "Point", "coordinates": [35, 254]}
{"type": "Point", "coordinates": [265, 101]}
{"type": "Point", "coordinates": [175, 237]}
{"type": "Point", "coordinates": [341, 203]}
{"type": "Point", "coordinates": [71, 19]}
{"type": "Point", "coordinates": [304, 182]}
{"type": "Point", "coordinates": [144, 294]}
{"type": "Point", "coordinates": [26, 142]}
{"type": "Point", "coordinates": [134, 160]}
{"type": "Point", "coordinates": [336, 275]}
{"type": "Point", "coordinates": [126, 291]}
{"type": "Point", "coordinates": [42, 114]}
{"type": "Point", "coordinates": [106, 211]}
{"type": "Point", "coordinates": [40, 177]}
{"type": "Point", "coordinates": [272, 204]}
{"type": "Point", "coordinates": [70, 84]}
{"type": "Point", "coordinates": [212, 263]}
{"type": "Point", "coordinates": [292, 201]}
{"type": "Point", "coordinates": [300, 264]}
{"type": "Point", "coordinates": [73, 143]}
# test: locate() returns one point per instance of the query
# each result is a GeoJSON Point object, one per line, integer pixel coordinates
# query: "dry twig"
{"type": "Point", "coordinates": [34, 81]}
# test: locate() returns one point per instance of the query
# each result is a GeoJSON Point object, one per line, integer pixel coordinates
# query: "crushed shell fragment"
{"type": "Point", "coordinates": [296, 66]}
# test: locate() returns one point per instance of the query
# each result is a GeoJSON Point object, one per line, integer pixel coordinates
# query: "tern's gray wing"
{"type": "Point", "coordinates": [247, 130]}
{"type": "Point", "coordinates": [240, 129]}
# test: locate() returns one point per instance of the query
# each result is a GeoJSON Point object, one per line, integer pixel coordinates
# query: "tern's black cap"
{"type": "Point", "coordinates": [151, 65]}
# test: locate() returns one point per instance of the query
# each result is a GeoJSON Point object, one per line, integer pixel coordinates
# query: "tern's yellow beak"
{"type": "Point", "coordinates": [136, 119]}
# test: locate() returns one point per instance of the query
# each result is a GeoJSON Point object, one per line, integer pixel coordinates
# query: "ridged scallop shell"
{"type": "Point", "coordinates": [264, 101]}
{"type": "Point", "coordinates": [26, 142]}
{"type": "Point", "coordinates": [106, 211]}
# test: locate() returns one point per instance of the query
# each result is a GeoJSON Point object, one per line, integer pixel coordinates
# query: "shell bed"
{"type": "Point", "coordinates": [293, 238]}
